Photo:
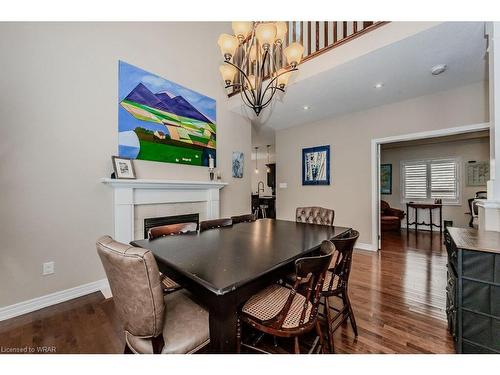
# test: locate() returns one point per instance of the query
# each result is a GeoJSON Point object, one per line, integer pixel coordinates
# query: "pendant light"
{"type": "Point", "coordinates": [268, 162]}
{"type": "Point", "coordinates": [256, 166]}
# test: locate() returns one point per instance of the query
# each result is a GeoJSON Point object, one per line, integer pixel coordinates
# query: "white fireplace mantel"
{"type": "Point", "coordinates": [163, 184]}
{"type": "Point", "coordinates": [129, 193]}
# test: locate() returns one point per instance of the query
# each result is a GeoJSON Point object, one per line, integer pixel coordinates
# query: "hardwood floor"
{"type": "Point", "coordinates": [398, 297]}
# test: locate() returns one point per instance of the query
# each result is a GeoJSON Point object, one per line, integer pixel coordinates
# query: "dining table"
{"type": "Point", "coordinates": [222, 268]}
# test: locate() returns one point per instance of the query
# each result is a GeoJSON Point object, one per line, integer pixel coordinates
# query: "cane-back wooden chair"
{"type": "Point", "coordinates": [336, 285]}
{"type": "Point", "coordinates": [243, 218]}
{"type": "Point", "coordinates": [172, 229]}
{"type": "Point", "coordinates": [168, 284]}
{"type": "Point", "coordinates": [290, 312]}
{"type": "Point", "coordinates": [217, 223]}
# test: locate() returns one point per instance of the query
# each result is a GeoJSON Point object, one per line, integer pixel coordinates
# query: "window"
{"type": "Point", "coordinates": [431, 179]}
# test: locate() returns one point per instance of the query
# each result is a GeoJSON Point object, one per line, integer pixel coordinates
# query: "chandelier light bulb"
{"type": "Point", "coordinates": [227, 44]}
{"type": "Point", "coordinates": [227, 71]}
{"type": "Point", "coordinates": [294, 53]}
{"type": "Point", "coordinates": [256, 64]}
{"type": "Point", "coordinates": [266, 34]}
{"type": "Point", "coordinates": [281, 30]}
{"type": "Point", "coordinates": [283, 78]}
{"type": "Point", "coordinates": [242, 29]}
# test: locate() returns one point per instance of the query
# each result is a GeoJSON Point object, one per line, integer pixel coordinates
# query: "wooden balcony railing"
{"type": "Point", "coordinates": [317, 37]}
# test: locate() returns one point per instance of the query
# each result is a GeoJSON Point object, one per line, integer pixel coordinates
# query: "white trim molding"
{"type": "Point", "coordinates": [163, 184]}
{"type": "Point", "coordinates": [130, 193]}
{"type": "Point", "coordinates": [375, 146]}
{"type": "Point", "coordinates": [38, 303]}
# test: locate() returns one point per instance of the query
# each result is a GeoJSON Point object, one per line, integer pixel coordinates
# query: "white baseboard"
{"type": "Point", "coordinates": [365, 246]}
{"type": "Point", "coordinates": [38, 303]}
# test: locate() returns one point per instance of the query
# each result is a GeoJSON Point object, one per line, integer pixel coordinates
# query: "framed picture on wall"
{"type": "Point", "coordinates": [386, 179]}
{"type": "Point", "coordinates": [123, 167]}
{"type": "Point", "coordinates": [316, 165]}
{"type": "Point", "coordinates": [237, 168]}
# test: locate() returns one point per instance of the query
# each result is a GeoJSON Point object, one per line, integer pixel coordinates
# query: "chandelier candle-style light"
{"type": "Point", "coordinates": [255, 53]}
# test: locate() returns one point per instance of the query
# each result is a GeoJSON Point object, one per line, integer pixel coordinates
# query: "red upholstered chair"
{"type": "Point", "coordinates": [390, 218]}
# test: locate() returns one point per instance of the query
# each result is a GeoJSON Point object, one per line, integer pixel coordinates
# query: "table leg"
{"type": "Point", "coordinates": [430, 213]}
{"type": "Point", "coordinates": [223, 324]}
{"type": "Point", "coordinates": [441, 220]}
{"type": "Point", "coordinates": [416, 219]}
{"type": "Point", "coordinates": [407, 218]}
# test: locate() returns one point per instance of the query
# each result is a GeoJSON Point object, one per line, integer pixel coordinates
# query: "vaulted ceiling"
{"type": "Point", "coordinates": [403, 67]}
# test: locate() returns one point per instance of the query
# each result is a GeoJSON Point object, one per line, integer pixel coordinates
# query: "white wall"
{"type": "Point", "coordinates": [350, 139]}
{"type": "Point", "coordinates": [58, 123]}
{"type": "Point", "coordinates": [470, 149]}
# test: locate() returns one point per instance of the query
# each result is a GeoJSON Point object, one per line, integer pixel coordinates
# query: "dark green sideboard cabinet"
{"type": "Point", "coordinates": [473, 289]}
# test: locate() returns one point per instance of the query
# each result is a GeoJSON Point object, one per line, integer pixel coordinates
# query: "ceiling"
{"type": "Point", "coordinates": [403, 67]}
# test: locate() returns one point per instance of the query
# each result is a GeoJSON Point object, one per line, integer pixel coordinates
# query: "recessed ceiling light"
{"type": "Point", "coordinates": [306, 107]}
{"type": "Point", "coordinates": [438, 69]}
{"type": "Point", "coordinates": [379, 85]}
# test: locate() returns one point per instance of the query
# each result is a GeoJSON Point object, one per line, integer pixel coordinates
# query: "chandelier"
{"type": "Point", "coordinates": [255, 62]}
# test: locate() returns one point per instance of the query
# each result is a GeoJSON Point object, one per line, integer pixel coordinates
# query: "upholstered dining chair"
{"type": "Point", "coordinates": [243, 218]}
{"type": "Point", "coordinates": [336, 285]}
{"type": "Point", "coordinates": [217, 223]}
{"type": "Point", "coordinates": [152, 322]}
{"type": "Point", "coordinates": [314, 215]}
{"type": "Point", "coordinates": [290, 312]}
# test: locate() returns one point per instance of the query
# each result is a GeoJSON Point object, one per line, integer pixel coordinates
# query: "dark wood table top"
{"type": "Point", "coordinates": [226, 258]}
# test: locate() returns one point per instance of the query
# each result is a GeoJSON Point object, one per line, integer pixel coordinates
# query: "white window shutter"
{"type": "Point", "coordinates": [415, 180]}
{"type": "Point", "coordinates": [444, 179]}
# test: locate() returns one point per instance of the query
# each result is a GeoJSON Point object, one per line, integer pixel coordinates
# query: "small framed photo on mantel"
{"type": "Point", "coordinates": [123, 167]}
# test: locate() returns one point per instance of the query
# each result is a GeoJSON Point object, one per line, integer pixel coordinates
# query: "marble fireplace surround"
{"type": "Point", "coordinates": [133, 195]}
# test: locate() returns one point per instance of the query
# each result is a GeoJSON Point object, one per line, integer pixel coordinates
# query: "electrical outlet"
{"type": "Point", "coordinates": [48, 268]}
{"type": "Point", "coordinates": [283, 185]}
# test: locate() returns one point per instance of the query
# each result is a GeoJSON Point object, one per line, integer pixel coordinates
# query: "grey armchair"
{"type": "Point", "coordinates": [152, 322]}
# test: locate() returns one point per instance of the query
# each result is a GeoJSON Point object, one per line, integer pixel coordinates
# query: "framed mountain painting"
{"type": "Point", "coordinates": [160, 120]}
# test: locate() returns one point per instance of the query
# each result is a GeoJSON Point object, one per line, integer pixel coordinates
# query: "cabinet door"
{"type": "Point", "coordinates": [451, 303]}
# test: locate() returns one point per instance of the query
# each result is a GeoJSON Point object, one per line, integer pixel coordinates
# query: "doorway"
{"type": "Point", "coordinates": [412, 166]}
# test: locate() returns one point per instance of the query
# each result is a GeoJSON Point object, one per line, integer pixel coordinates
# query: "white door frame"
{"type": "Point", "coordinates": [375, 144]}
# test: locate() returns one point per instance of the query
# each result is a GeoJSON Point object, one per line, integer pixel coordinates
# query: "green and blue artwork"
{"type": "Point", "coordinates": [159, 120]}
{"type": "Point", "coordinates": [386, 179]}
